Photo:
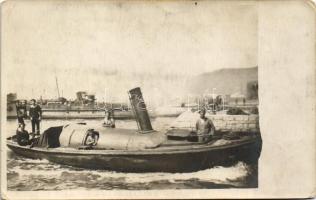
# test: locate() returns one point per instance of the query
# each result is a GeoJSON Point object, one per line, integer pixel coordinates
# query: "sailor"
{"type": "Point", "coordinates": [109, 119]}
{"type": "Point", "coordinates": [204, 127]}
{"type": "Point", "coordinates": [22, 135]}
{"type": "Point", "coordinates": [35, 116]}
{"type": "Point", "coordinates": [21, 112]}
{"type": "Point", "coordinates": [92, 138]}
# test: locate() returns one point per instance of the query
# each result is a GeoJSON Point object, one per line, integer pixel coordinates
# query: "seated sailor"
{"type": "Point", "coordinates": [109, 119]}
{"type": "Point", "coordinates": [22, 135]}
{"type": "Point", "coordinates": [204, 127]}
{"type": "Point", "coordinates": [92, 138]}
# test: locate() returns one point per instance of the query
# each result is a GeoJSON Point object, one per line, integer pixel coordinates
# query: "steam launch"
{"type": "Point", "coordinates": [139, 150]}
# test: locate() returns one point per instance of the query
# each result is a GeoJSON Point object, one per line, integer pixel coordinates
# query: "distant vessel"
{"type": "Point", "coordinates": [85, 107]}
{"type": "Point", "coordinates": [11, 105]}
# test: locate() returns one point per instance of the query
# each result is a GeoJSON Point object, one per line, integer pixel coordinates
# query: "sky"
{"type": "Point", "coordinates": [100, 46]}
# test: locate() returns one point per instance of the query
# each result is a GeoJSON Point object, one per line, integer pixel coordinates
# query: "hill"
{"type": "Point", "coordinates": [226, 81]}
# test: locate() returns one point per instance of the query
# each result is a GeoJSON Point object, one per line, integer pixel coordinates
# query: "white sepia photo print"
{"type": "Point", "coordinates": [127, 99]}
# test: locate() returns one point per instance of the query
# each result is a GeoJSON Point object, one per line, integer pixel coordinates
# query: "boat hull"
{"type": "Point", "coordinates": [148, 161]}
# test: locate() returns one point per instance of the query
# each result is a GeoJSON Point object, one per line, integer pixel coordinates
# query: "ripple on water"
{"type": "Point", "coordinates": [65, 178]}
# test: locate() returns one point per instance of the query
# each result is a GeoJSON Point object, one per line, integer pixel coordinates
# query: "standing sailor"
{"type": "Point", "coordinates": [35, 116]}
{"type": "Point", "coordinates": [21, 112]}
{"type": "Point", "coordinates": [204, 127]}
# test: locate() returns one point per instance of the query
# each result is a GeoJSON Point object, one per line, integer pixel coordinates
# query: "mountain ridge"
{"type": "Point", "coordinates": [226, 81]}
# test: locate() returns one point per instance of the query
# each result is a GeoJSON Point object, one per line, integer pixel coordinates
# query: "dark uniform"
{"type": "Point", "coordinates": [35, 115]}
{"type": "Point", "coordinates": [21, 112]}
{"type": "Point", "coordinates": [22, 137]}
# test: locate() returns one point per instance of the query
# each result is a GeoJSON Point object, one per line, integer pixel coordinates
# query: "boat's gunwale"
{"type": "Point", "coordinates": [72, 151]}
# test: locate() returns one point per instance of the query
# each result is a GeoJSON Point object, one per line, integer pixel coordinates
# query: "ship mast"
{"type": "Point", "coordinates": [57, 87]}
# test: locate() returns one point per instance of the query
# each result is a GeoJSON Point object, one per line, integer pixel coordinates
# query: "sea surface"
{"type": "Point", "coordinates": [25, 174]}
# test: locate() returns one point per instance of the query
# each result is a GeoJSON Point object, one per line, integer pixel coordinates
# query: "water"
{"type": "Point", "coordinates": [25, 174]}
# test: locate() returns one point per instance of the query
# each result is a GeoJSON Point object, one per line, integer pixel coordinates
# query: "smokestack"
{"type": "Point", "coordinates": [140, 110]}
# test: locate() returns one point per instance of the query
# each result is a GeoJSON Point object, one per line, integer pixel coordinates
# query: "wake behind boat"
{"type": "Point", "coordinates": [142, 150]}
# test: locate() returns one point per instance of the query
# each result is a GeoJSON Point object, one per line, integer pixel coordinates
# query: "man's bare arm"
{"type": "Point", "coordinates": [212, 127]}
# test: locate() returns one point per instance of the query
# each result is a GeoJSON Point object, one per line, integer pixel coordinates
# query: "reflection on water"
{"type": "Point", "coordinates": [29, 174]}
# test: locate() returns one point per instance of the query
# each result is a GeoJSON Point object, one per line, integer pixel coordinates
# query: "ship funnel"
{"type": "Point", "coordinates": [140, 110]}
